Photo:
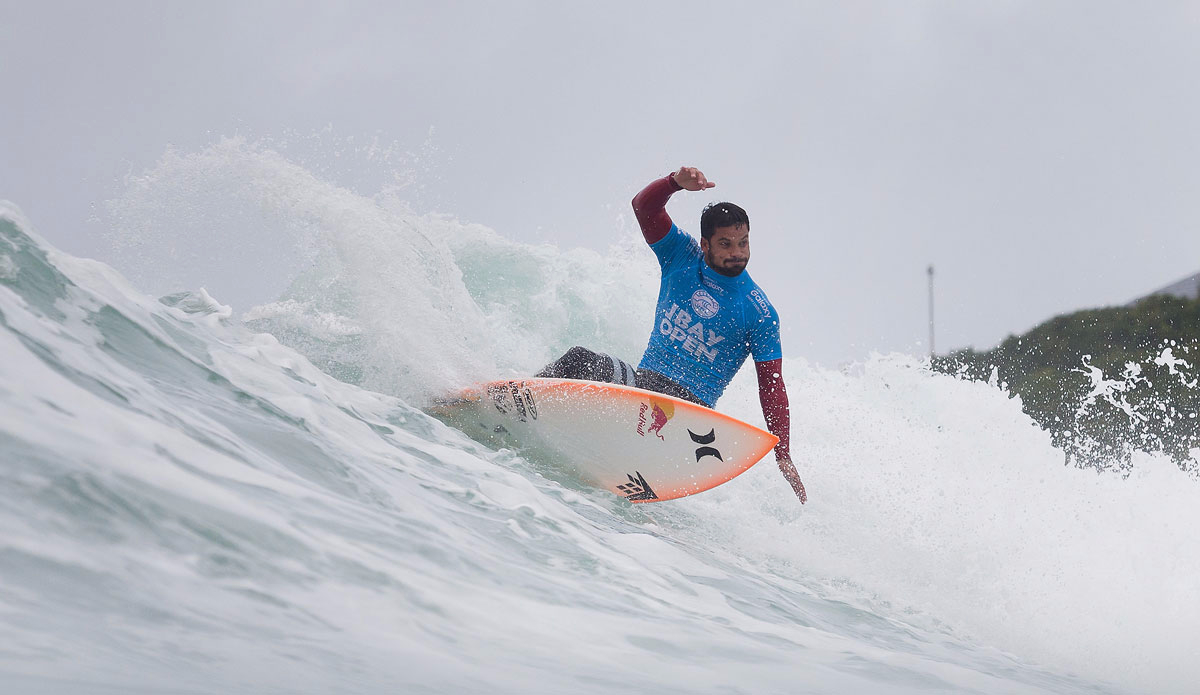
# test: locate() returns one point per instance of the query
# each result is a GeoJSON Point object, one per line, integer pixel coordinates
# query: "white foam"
{"type": "Point", "coordinates": [939, 500]}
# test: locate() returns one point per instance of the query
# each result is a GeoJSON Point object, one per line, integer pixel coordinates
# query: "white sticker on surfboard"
{"type": "Point", "coordinates": [641, 445]}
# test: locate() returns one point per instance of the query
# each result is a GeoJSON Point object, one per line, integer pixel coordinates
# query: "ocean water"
{"type": "Point", "coordinates": [201, 498]}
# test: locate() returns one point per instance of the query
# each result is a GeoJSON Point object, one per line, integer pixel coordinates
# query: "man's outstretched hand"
{"type": "Point", "coordinates": [692, 179]}
{"type": "Point", "coordinates": [789, 472]}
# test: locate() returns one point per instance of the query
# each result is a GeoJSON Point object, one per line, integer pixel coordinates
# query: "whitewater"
{"type": "Point", "coordinates": [198, 497]}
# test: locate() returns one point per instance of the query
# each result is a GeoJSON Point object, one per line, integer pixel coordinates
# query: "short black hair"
{"type": "Point", "coordinates": [721, 215]}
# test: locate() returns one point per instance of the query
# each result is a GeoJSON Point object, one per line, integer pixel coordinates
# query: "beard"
{"type": "Point", "coordinates": [728, 269]}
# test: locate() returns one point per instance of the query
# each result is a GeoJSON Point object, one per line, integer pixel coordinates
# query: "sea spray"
{"type": "Point", "coordinates": [376, 294]}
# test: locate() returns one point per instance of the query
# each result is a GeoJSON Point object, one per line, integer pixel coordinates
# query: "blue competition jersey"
{"type": "Point", "coordinates": [706, 323]}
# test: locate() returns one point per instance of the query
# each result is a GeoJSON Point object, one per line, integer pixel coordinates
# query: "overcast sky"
{"type": "Point", "coordinates": [1042, 155]}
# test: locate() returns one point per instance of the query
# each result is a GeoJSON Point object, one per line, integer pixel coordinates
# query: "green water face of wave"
{"type": "Point", "coordinates": [27, 271]}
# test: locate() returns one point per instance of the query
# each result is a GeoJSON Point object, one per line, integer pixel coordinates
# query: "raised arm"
{"type": "Point", "coordinates": [772, 395]}
{"type": "Point", "coordinates": [650, 206]}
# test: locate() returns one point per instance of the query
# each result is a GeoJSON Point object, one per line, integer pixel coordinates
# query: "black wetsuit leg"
{"type": "Point", "coordinates": [653, 381]}
{"type": "Point", "coordinates": [581, 363]}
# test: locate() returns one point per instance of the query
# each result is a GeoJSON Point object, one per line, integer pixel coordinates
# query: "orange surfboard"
{"type": "Point", "coordinates": [641, 445]}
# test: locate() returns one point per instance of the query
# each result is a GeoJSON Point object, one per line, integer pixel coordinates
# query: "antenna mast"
{"type": "Point", "coordinates": [930, 312]}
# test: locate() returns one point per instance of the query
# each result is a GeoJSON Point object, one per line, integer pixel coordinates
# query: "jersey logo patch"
{"type": "Point", "coordinates": [704, 305]}
{"type": "Point", "coordinates": [760, 300]}
{"type": "Point", "coordinates": [678, 327]}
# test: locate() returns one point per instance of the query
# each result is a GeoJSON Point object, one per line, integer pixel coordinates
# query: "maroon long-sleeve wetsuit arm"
{"type": "Point", "coordinates": [772, 395]}
{"type": "Point", "coordinates": [650, 208]}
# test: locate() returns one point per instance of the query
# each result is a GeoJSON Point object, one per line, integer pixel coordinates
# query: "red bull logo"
{"type": "Point", "coordinates": [660, 413]}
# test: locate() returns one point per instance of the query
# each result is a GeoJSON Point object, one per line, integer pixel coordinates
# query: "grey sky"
{"type": "Point", "coordinates": [1043, 155]}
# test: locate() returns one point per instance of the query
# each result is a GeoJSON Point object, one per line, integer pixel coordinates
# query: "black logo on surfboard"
{"type": "Point", "coordinates": [513, 399]}
{"type": "Point", "coordinates": [637, 489]}
{"type": "Point", "coordinates": [706, 450]}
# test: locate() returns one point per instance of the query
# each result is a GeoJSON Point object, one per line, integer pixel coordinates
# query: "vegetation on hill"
{"type": "Point", "coordinates": [1104, 382]}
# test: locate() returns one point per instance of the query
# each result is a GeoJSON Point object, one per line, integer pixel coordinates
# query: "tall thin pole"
{"type": "Point", "coordinates": [930, 311]}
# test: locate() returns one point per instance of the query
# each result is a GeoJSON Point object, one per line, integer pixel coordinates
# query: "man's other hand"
{"type": "Point", "coordinates": [692, 179]}
{"type": "Point", "coordinates": [793, 477]}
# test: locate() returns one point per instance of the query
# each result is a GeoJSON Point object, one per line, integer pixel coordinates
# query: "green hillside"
{"type": "Point", "coordinates": [1148, 401]}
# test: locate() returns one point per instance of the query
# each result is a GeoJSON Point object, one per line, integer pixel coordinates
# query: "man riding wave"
{"type": "Point", "coordinates": [710, 317]}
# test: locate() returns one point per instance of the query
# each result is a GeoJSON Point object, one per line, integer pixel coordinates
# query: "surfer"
{"type": "Point", "coordinates": [710, 316]}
